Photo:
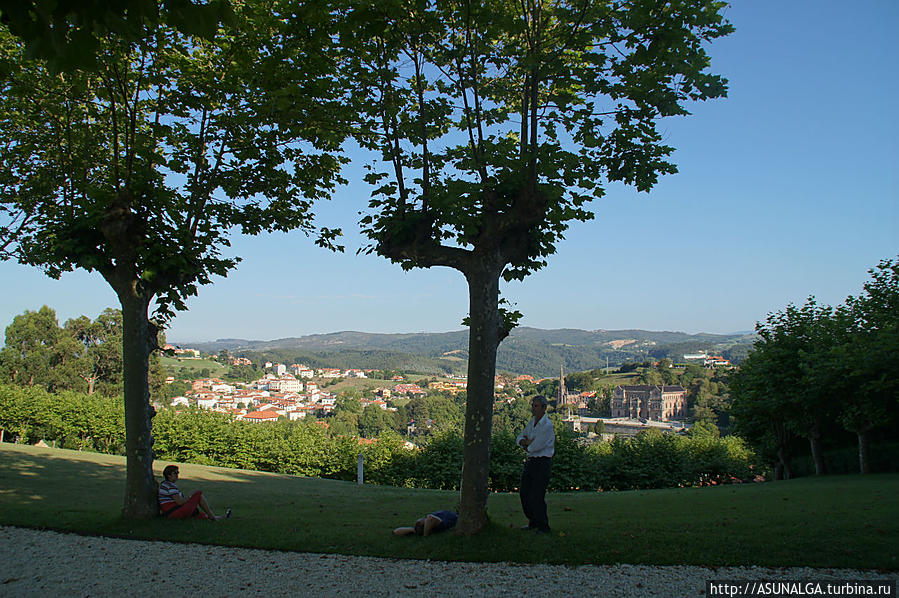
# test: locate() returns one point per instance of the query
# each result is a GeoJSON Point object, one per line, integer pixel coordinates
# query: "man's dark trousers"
{"type": "Point", "coordinates": [534, 481]}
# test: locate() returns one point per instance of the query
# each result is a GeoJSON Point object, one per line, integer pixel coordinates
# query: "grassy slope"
{"type": "Point", "coordinates": [845, 521]}
{"type": "Point", "coordinates": [175, 366]}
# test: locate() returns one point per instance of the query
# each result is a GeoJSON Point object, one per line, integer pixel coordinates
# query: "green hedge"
{"type": "Point", "coordinates": [67, 419]}
{"type": "Point", "coordinates": [649, 460]}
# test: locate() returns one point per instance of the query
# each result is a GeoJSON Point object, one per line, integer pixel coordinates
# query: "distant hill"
{"type": "Point", "coordinates": [526, 350]}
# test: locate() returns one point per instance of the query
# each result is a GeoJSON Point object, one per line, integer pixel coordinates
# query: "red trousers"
{"type": "Point", "coordinates": [187, 510]}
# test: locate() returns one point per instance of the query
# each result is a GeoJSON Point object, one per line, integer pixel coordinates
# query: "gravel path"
{"type": "Point", "coordinates": [45, 563]}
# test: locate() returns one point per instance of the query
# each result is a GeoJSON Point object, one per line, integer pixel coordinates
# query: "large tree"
{"type": "Point", "coordinates": [870, 357]}
{"type": "Point", "coordinates": [141, 168]}
{"type": "Point", "coordinates": [496, 123]}
{"type": "Point", "coordinates": [83, 356]}
{"type": "Point", "coordinates": [99, 350]}
{"type": "Point", "coordinates": [814, 365]}
{"type": "Point", "coordinates": [38, 352]}
{"type": "Point", "coordinates": [780, 382]}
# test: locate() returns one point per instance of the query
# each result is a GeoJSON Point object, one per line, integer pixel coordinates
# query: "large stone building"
{"type": "Point", "coordinates": [649, 401]}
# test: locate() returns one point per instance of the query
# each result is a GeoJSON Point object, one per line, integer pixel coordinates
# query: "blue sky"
{"type": "Point", "coordinates": [787, 188]}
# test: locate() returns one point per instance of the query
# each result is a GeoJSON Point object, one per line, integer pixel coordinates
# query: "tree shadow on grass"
{"type": "Point", "coordinates": [36, 478]}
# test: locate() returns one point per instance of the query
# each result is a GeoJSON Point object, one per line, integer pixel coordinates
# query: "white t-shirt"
{"type": "Point", "coordinates": [542, 435]}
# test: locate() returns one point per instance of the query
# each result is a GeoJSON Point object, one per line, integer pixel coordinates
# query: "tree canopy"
{"type": "Point", "coordinates": [83, 355]}
{"type": "Point", "coordinates": [816, 367]}
{"type": "Point", "coordinates": [38, 352]}
{"type": "Point", "coordinates": [67, 33]}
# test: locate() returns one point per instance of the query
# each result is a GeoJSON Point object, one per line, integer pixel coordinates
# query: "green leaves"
{"type": "Point", "coordinates": [815, 365]}
{"type": "Point", "coordinates": [500, 122]}
{"type": "Point", "coordinates": [142, 167]}
{"type": "Point", "coordinates": [84, 355]}
{"type": "Point", "coordinates": [68, 34]}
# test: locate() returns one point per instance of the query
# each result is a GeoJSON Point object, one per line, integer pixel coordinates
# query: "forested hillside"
{"type": "Point", "coordinates": [526, 351]}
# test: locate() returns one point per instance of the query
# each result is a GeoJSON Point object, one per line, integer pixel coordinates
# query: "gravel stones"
{"type": "Point", "coordinates": [46, 563]}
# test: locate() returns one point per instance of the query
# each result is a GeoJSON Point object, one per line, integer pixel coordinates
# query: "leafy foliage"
{"type": "Point", "coordinates": [84, 355]}
{"type": "Point", "coordinates": [69, 419]}
{"type": "Point", "coordinates": [307, 448]}
{"type": "Point", "coordinates": [38, 352]}
{"type": "Point", "coordinates": [68, 33]}
{"type": "Point", "coordinates": [112, 169]}
{"type": "Point", "coordinates": [496, 122]}
{"type": "Point", "coordinates": [815, 366]}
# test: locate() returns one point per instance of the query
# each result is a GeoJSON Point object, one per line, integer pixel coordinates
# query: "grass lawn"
{"type": "Point", "coordinates": [347, 383]}
{"type": "Point", "coordinates": [839, 521]}
{"type": "Point", "coordinates": [619, 378]}
{"type": "Point", "coordinates": [174, 366]}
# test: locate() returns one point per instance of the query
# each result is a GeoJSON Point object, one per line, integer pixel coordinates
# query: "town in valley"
{"type": "Point", "coordinates": [297, 391]}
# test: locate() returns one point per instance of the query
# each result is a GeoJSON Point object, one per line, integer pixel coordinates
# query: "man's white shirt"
{"type": "Point", "coordinates": [543, 438]}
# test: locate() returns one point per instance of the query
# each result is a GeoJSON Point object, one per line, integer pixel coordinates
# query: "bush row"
{"type": "Point", "coordinates": [650, 460]}
{"type": "Point", "coordinates": [68, 419]}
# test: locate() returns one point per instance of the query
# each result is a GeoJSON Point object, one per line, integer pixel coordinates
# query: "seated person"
{"type": "Point", "coordinates": [173, 505]}
{"type": "Point", "coordinates": [429, 524]}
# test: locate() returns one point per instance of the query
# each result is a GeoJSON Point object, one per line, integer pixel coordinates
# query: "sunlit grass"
{"type": "Point", "coordinates": [839, 521]}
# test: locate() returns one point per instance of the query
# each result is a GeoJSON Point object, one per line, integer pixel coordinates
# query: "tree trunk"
{"type": "Point", "coordinates": [778, 471]}
{"type": "Point", "coordinates": [814, 439]}
{"type": "Point", "coordinates": [785, 463]}
{"type": "Point", "coordinates": [485, 333]}
{"type": "Point", "coordinates": [783, 454]}
{"type": "Point", "coordinates": [137, 343]}
{"type": "Point", "coordinates": [864, 464]}
{"type": "Point", "coordinates": [817, 457]}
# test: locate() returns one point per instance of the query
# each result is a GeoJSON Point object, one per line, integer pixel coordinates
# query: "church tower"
{"type": "Point", "coordinates": [562, 398]}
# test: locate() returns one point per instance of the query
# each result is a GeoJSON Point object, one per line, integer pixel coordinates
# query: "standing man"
{"type": "Point", "coordinates": [539, 439]}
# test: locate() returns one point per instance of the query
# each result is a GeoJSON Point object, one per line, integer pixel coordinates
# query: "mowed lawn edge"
{"type": "Point", "coordinates": [831, 521]}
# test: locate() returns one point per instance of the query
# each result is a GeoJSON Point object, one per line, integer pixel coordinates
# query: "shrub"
{"type": "Point", "coordinates": [649, 460]}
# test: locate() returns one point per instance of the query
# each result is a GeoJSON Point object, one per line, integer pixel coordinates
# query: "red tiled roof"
{"type": "Point", "coordinates": [261, 415]}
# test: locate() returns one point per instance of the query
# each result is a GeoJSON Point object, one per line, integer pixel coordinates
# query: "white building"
{"type": "Point", "coordinates": [286, 383]}
{"type": "Point", "coordinates": [207, 403]}
{"type": "Point", "coordinates": [299, 413]}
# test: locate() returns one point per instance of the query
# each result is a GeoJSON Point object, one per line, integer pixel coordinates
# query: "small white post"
{"type": "Point", "coordinates": [360, 474]}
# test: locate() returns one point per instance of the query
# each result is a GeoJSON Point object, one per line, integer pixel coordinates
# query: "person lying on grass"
{"type": "Point", "coordinates": [173, 505]}
{"type": "Point", "coordinates": [429, 524]}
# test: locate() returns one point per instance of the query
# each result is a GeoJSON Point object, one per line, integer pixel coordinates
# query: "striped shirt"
{"type": "Point", "coordinates": [167, 492]}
